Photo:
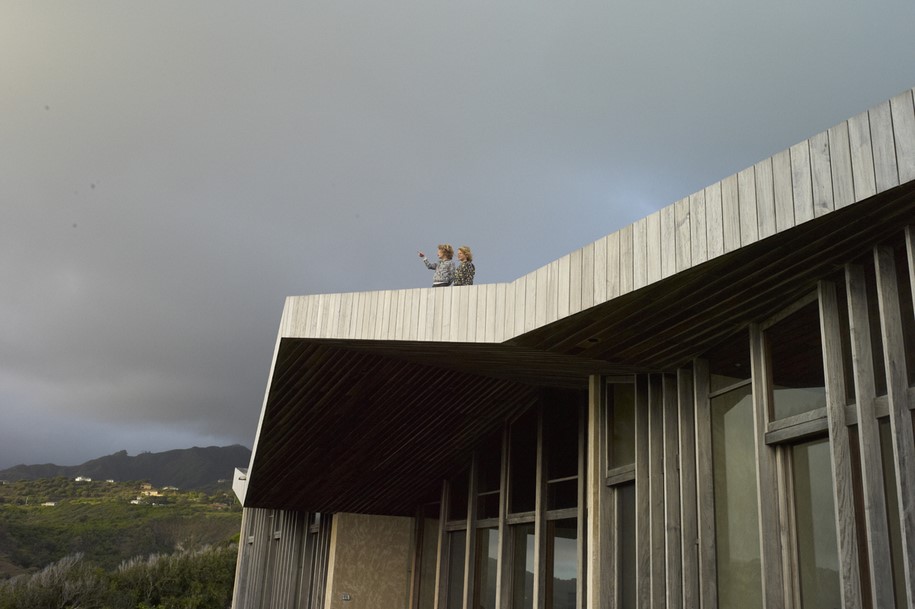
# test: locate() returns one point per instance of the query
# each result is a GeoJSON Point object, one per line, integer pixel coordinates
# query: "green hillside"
{"type": "Point", "coordinates": [42, 521]}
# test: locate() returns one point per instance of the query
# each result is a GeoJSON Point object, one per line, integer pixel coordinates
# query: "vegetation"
{"type": "Point", "coordinates": [189, 579]}
{"type": "Point", "coordinates": [43, 521]}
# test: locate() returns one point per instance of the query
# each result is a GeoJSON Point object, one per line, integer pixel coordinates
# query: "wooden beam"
{"type": "Point", "coordinates": [831, 333]}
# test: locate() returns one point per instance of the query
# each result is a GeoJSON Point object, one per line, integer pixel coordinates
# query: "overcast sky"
{"type": "Point", "coordinates": [171, 170]}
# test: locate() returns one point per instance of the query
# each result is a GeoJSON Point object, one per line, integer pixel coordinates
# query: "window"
{"type": "Point", "coordinates": [736, 510]}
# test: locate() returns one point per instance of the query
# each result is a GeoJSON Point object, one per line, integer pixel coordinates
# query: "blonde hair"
{"type": "Point", "coordinates": [447, 250]}
{"type": "Point", "coordinates": [467, 254]}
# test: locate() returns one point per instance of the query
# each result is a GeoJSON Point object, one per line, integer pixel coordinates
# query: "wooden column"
{"type": "Point", "coordinates": [872, 486]}
{"type": "Point", "coordinates": [900, 417]}
{"type": "Point", "coordinates": [673, 546]}
{"type": "Point", "coordinates": [656, 491]}
{"type": "Point", "coordinates": [642, 496]}
{"type": "Point", "coordinates": [503, 569]}
{"type": "Point", "coordinates": [688, 506]}
{"type": "Point", "coordinates": [705, 489]}
{"type": "Point", "coordinates": [767, 481]}
{"type": "Point", "coordinates": [850, 581]}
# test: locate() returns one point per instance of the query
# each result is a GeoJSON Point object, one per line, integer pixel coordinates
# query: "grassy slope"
{"type": "Point", "coordinates": [98, 520]}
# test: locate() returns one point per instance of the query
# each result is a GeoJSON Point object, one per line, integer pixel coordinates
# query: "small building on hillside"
{"type": "Point", "coordinates": [711, 407]}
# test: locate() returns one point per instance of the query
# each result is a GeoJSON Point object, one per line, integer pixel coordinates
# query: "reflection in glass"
{"type": "Point", "coordinates": [560, 433]}
{"type": "Point", "coordinates": [736, 512]}
{"type": "Point", "coordinates": [818, 556]}
{"type": "Point", "coordinates": [562, 494]}
{"type": "Point", "coordinates": [457, 540]}
{"type": "Point", "coordinates": [457, 504]}
{"type": "Point", "coordinates": [523, 463]}
{"type": "Point", "coordinates": [523, 566]}
{"type": "Point", "coordinates": [562, 563]}
{"type": "Point", "coordinates": [487, 557]}
{"type": "Point", "coordinates": [428, 556]}
{"type": "Point", "coordinates": [621, 419]}
{"type": "Point", "coordinates": [625, 542]}
{"type": "Point", "coordinates": [796, 361]}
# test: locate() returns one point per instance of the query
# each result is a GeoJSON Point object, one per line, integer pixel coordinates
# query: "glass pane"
{"type": "Point", "coordinates": [562, 562]}
{"type": "Point", "coordinates": [523, 566]}
{"type": "Point", "coordinates": [560, 432]}
{"type": "Point", "coordinates": [487, 558]}
{"type": "Point", "coordinates": [457, 540]}
{"type": "Point", "coordinates": [489, 472]}
{"type": "Point", "coordinates": [429, 550]}
{"type": "Point", "coordinates": [736, 512]}
{"type": "Point", "coordinates": [625, 544]}
{"type": "Point", "coordinates": [621, 419]}
{"type": "Point", "coordinates": [522, 482]}
{"type": "Point", "coordinates": [818, 555]}
{"type": "Point", "coordinates": [457, 504]}
{"type": "Point", "coordinates": [561, 495]}
{"type": "Point", "coordinates": [796, 361]}
{"type": "Point", "coordinates": [729, 361]}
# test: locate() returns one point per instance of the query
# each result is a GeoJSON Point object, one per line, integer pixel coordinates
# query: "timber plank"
{"type": "Point", "coordinates": [862, 156]}
{"type": "Point", "coordinates": [697, 230]}
{"type": "Point", "coordinates": [802, 182]}
{"type": "Point", "coordinates": [714, 230]}
{"type": "Point", "coordinates": [684, 247]}
{"type": "Point", "coordinates": [730, 213]}
{"type": "Point", "coordinates": [904, 132]}
{"type": "Point", "coordinates": [886, 175]}
{"type": "Point", "coordinates": [821, 173]}
{"type": "Point", "coordinates": [746, 206]}
{"type": "Point", "coordinates": [765, 199]}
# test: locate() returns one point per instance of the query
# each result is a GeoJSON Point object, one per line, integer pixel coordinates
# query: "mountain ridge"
{"type": "Point", "coordinates": [185, 468]}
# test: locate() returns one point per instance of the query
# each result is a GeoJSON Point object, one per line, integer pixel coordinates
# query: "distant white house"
{"type": "Point", "coordinates": [49, 504]}
{"type": "Point", "coordinates": [82, 479]}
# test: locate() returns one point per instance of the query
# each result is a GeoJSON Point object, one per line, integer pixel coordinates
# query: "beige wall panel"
{"type": "Point", "coordinates": [802, 183]}
{"type": "Point", "coordinates": [587, 276]}
{"type": "Point", "coordinates": [765, 199]}
{"type": "Point", "coordinates": [489, 331]}
{"type": "Point", "coordinates": [730, 213]}
{"type": "Point", "coordinates": [821, 173]}
{"type": "Point", "coordinates": [450, 329]}
{"type": "Point", "coordinates": [542, 295]}
{"type": "Point", "coordinates": [460, 304]}
{"type": "Point", "coordinates": [552, 287]}
{"type": "Point", "coordinates": [714, 231]}
{"type": "Point", "coordinates": [358, 315]}
{"type": "Point", "coordinates": [501, 304]}
{"type": "Point", "coordinates": [640, 254]}
{"type": "Point", "coordinates": [530, 300]}
{"type": "Point", "coordinates": [386, 308]}
{"type": "Point", "coordinates": [438, 312]}
{"type": "Point", "coordinates": [697, 231]}
{"type": "Point", "coordinates": [668, 241]}
{"type": "Point", "coordinates": [885, 173]}
{"type": "Point", "coordinates": [475, 299]}
{"type": "Point", "coordinates": [843, 185]}
{"type": "Point", "coordinates": [575, 282]}
{"type": "Point", "coordinates": [901, 107]}
{"type": "Point", "coordinates": [520, 294]}
{"type": "Point", "coordinates": [684, 247]}
{"type": "Point", "coordinates": [600, 270]}
{"type": "Point", "coordinates": [746, 204]}
{"type": "Point", "coordinates": [317, 316]}
{"type": "Point", "coordinates": [653, 237]}
{"type": "Point", "coordinates": [784, 197]}
{"type": "Point", "coordinates": [371, 562]}
{"type": "Point", "coordinates": [425, 314]}
{"type": "Point", "coordinates": [562, 291]}
{"type": "Point", "coordinates": [613, 265]}
{"type": "Point", "coordinates": [345, 320]}
{"type": "Point", "coordinates": [625, 260]}
{"type": "Point", "coordinates": [397, 318]}
{"type": "Point", "coordinates": [862, 156]}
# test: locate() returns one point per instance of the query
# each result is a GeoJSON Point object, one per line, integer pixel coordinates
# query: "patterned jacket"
{"type": "Point", "coordinates": [444, 271]}
{"type": "Point", "coordinates": [463, 275]}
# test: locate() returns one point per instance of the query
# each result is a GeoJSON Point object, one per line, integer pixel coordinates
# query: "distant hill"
{"type": "Point", "coordinates": [186, 468]}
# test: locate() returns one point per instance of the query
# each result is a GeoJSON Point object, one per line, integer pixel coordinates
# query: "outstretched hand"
{"type": "Point", "coordinates": [421, 255]}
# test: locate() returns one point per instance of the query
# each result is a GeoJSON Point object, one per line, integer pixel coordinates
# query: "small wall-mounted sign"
{"type": "Point", "coordinates": [345, 596]}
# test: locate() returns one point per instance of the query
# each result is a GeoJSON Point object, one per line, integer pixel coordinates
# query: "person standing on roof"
{"type": "Point", "coordinates": [463, 274]}
{"type": "Point", "coordinates": [444, 268]}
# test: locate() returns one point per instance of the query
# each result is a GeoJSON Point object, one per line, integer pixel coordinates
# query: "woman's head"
{"type": "Point", "coordinates": [445, 251]}
{"type": "Point", "coordinates": [468, 255]}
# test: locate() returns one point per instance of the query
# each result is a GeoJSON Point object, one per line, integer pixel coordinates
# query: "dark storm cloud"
{"type": "Point", "coordinates": [171, 171]}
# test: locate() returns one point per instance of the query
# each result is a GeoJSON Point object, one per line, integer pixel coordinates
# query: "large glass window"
{"type": "Point", "coordinates": [561, 437]}
{"type": "Point", "coordinates": [736, 512]}
{"type": "Point", "coordinates": [522, 566]}
{"type": "Point", "coordinates": [457, 541]}
{"type": "Point", "coordinates": [523, 464]}
{"type": "Point", "coordinates": [795, 359]}
{"type": "Point", "coordinates": [428, 554]}
{"type": "Point", "coordinates": [562, 563]}
{"type": "Point", "coordinates": [621, 422]}
{"type": "Point", "coordinates": [485, 563]}
{"type": "Point", "coordinates": [814, 509]}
